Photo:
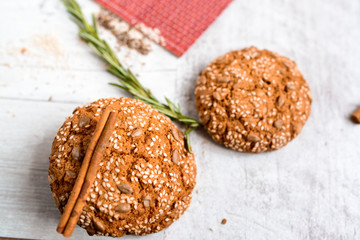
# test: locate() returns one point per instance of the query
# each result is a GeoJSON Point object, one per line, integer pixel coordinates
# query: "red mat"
{"type": "Point", "coordinates": [179, 22]}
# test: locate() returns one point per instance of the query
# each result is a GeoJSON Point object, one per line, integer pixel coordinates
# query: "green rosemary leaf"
{"type": "Point", "coordinates": [127, 80]}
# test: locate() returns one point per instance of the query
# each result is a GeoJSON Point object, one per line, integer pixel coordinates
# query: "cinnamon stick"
{"type": "Point", "coordinates": [85, 178]}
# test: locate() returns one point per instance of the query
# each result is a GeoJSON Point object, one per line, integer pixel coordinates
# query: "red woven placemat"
{"type": "Point", "coordinates": [178, 22]}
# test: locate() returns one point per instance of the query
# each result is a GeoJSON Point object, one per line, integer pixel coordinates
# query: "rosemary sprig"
{"type": "Point", "coordinates": [127, 80]}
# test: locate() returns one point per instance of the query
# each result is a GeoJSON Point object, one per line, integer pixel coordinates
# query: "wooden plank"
{"type": "Point", "coordinates": [308, 190]}
{"type": "Point", "coordinates": [78, 86]}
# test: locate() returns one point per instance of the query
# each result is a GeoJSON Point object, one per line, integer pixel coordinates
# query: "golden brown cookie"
{"type": "Point", "coordinates": [146, 175]}
{"type": "Point", "coordinates": [252, 100]}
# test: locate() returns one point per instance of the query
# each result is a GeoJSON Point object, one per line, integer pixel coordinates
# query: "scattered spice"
{"type": "Point", "coordinates": [355, 117]}
{"type": "Point", "coordinates": [223, 222]}
{"type": "Point", "coordinates": [152, 33]}
{"type": "Point", "coordinates": [124, 33]}
{"type": "Point", "coordinates": [48, 43]}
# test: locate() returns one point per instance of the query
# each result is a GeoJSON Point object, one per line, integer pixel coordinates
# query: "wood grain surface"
{"type": "Point", "coordinates": [308, 190]}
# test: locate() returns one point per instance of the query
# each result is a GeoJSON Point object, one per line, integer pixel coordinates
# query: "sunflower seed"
{"type": "Point", "coordinates": [56, 200]}
{"type": "Point", "coordinates": [175, 156]}
{"type": "Point", "coordinates": [90, 231]}
{"type": "Point", "coordinates": [51, 178]}
{"type": "Point", "coordinates": [204, 119]}
{"type": "Point", "coordinates": [125, 188]}
{"type": "Point", "coordinates": [147, 201]}
{"type": "Point", "coordinates": [71, 174]}
{"type": "Point", "coordinates": [123, 208]}
{"type": "Point", "coordinates": [98, 225]}
{"type": "Point", "coordinates": [221, 60]}
{"type": "Point", "coordinates": [280, 101]}
{"type": "Point", "coordinates": [174, 132]}
{"type": "Point", "coordinates": [287, 64]}
{"type": "Point", "coordinates": [253, 138]}
{"type": "Point", "coordinates": [84, 120]}
{"type": "Point", "coordinates": [137, 133]}
{"type": "Point", "coordinates": [201, 80]}
{"type": "Point", "coordinates": [217, 96]}
{"type": "Point", "coordinates": [278, 123]}
{"type": "Point", "coordinates": [223, 80]}
{"type": "Point", "coordinates": [265, 110]}
{"type": "Point", "coordinates": [297, 128]}
{"type": "Point", "coordinates": [75, 153]}
{"type": "Point", "coordinates": [290, 86]}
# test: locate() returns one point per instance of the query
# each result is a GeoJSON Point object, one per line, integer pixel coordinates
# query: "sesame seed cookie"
{"type": "Point", "coordinates": [146, 176]}
{"type": "Point", "coordinates": [252, 100]}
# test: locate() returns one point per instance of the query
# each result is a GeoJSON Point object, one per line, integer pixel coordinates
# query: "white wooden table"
{"type": "Point", "coordinates": [308, 190]}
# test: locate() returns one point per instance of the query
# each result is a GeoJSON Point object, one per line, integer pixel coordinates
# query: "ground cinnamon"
{"type": "Point", "coordinates": [87, 172]}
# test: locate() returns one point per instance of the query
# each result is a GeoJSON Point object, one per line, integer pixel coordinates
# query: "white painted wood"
{"type": "Point", "coordinates": [308, 190]}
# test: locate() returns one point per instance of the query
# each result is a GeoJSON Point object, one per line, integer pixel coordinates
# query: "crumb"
{"type": "Point", "coordinates": [36, 135]}
{"type": "Point", "coordinates": [23, 50]}
{"type": "Point", "coordinates": [13, 115]}
{"type": "Point", "coordinates": [211, 229]}
{"type": "Point", "coordinates": [50, 99]}
{"type": "Point", "coordinates": [355, 117]}
{"type": "Point", "coordinates": [205, 142]}
{"type": "Point", "coordinates": [326, 143]}
{"type": "Point", "coordinates": [6, 64]}
{"type": "Point", "coordinates": [223, 222]}
{"type": "Point", "coordinates": [188, 98]}
{"type": "Point", "coordinates": [197, 191]}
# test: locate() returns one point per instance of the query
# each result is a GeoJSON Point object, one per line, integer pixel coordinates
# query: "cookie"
{"type": "Point", "coordinates": [252, 100]}
{"type": "Point", "coordinates": [146, 175]}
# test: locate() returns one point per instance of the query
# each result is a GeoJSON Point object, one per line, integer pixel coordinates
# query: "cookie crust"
{"type": "Point", "coordinates": [252, 100]}
{"type": "Point", "coordinates": [145, 179]}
